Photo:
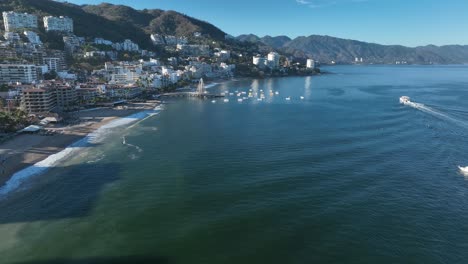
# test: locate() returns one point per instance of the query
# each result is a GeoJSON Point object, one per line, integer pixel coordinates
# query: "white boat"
{"type": "Point", "coordinates": [214, 101]}
{"type": "Point", "coordinates": [231, 94]}
{"type": "Point", "coordinates": [302, 97]}
{"type": "Point", "coordinates": [239, 100]}
{"type": "Point", "coordinates": [463, 170]}
{"type": "Point", "coordinates": [405, 100]}
{"type": "Point", "coordinates": [276, 92]}
{"type": "Point", "coordinates": [259, 99]}
{"type": "Point", "coordinates": [288, 98]}
{"type": "Point", "coordinates": [226, 100]}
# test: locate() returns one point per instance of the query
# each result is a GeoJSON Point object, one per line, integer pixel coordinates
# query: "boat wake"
{"type": "Point", "coordinates": [406, 101]}
{"type": "Point", "coordinates": [124, 142]}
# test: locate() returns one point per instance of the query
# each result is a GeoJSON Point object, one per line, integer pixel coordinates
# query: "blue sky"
{"type": "Point", "coordinates": [406, 22]}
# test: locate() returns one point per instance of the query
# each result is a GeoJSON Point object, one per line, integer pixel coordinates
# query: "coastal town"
{"type": "Point", "coordinates": [57, 87]}
{"type": "Point", "coordinates": [45, 83]}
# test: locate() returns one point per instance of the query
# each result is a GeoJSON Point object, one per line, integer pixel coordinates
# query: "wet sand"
{"type": "Point", "coordinates": [25, 150]}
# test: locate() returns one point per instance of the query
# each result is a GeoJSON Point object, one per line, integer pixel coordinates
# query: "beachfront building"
{"type": "Point", "coordinates": [273, 59]}
{"type": "Point", "coordinates": [38, 100]}
{"type": "Point", "coordinates": [23, 73]}
{"type": "Point", "coordinates": [13, 21]}
{"type": "Point", "coordinates": [61, 24]}
{"type": "Point", "coordinates": [123, 91]}
{"type": "Point", "coordinates": [66, 97]}
{"type": "Point", "coordinates": [310, 64]}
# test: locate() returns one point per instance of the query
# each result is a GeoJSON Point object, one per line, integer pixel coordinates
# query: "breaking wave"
{"type": "Point", "coordinates": [40, 167]}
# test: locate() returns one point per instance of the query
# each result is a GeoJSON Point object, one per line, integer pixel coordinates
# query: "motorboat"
{"type": "Point", "coordinates": [214, 101]}
{"type": "Point", "coordinates": [405, 100]}
{"type": "Point", "coordinates": [302, 97]}
{"type": "Point", "coordinates": [288, 98]}
{"type": "Point", "coordinates": [226, 100]}
{"type": "Point", "coordinates": [463, 170]}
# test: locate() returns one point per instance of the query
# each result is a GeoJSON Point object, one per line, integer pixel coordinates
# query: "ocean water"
{"type": "Point", "coordinates": [344, 175]}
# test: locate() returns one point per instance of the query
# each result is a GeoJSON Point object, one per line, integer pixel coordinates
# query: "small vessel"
{"type": "Point", "coordinates": [277, 93]}
{"type": "Point", "coordinates": [288, 98]}
{"type": "Point", "coordinates": [302, 97]}
{"type": "Point", "coordinates": [214, 101]}
{"type": "Point", "coordinates": [463, 170]}
{"type": "Point", "coordinates": [405, 100]}
{"type": "Point", "coordinates": [123, 140]}
{"type": "Point", "coordinates": [239, 100]}
{"type": "Point", "coordinates": [226, 100]}
{"type": "Point", "coordinates": [259, 99]}
{"type": "Point", "coordinates": [231, 94]}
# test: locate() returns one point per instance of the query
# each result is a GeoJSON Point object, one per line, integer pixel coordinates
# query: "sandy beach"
{"type": "Point", "coordinates": [25, 150]}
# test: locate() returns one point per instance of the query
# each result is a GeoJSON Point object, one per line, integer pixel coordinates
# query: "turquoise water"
{"type": "Point", "coordinates": [347, 175]}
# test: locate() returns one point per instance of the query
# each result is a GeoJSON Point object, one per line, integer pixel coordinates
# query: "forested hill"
{"type": "Point", "coordinates": [116, 22]}
{"type": "Point", "coordinates": [327, 49]}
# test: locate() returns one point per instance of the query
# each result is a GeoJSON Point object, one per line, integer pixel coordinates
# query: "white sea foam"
{"type": "Point", "coordinates": [437, 113]}
{"type": "Point", "coordinates": [21, 176]}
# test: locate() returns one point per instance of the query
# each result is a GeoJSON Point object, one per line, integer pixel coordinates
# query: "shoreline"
{"type": "Point", "coordinates": [24, 151]}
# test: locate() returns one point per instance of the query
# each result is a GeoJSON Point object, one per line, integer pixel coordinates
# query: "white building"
{"type": "Point", "coordinates": [259, 61]}
{"type": "Point", "coordinates": [157, 39]}
{"type": "Point", "coordinates": [23, 73]}
{"type": "Point", "coordinates": [63, 24]}
{"type": "Point", "coordinates": [127, 45]}
{"type": "Point", "coordinates": [11, 36]}
{"type": "Point", "coordinates": [273, 59]}
{"type": "Point", "coordinates": [310, 64]}
{"type": "Point", "coordinates": [13, 21]}
{"type": "Point", "coordinates": [53, 64]}
{"type": "Point", "coordinates": [32, 37]}
{"type": "Point", "coordinates": [101, 41]}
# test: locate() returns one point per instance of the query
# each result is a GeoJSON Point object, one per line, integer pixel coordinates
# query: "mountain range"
{"type": "Point", "coordinates": [326, 49]}
{"type": "Point", "coordinates": [118, 22]}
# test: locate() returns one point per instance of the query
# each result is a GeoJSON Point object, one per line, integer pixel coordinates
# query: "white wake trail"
{"type": "Point", "coordinates": [437, 113]}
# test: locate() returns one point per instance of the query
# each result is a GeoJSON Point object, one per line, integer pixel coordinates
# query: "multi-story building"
{"type": "Point", "coordinates": [66, 96]}
{"type": "Point", "coordinates": [127, 45]}
{"type": "Point", "coordinates": [53, 64]}
{"type": "Point", "coordinates": [101, 41]}
{"type": "Point", "coordinates": [38, 100]}
{"type": "Point", "coordinates": [23, 73]}
{"type": "Point", "coordinates": [48, 96]}
{"type": "Point", "coordinates": [11, 36]}
{"type": "Point", "coordinates": [32, 37]}
{"type": "Point", "coordinates": [310, 64]}
{"type": "Point", "coordinates": [273, 59]}
{"type": "Point", "coordinates": [62, 24]}
{"type": "Point", "coordinates": [259, 61]}
{"type": "Point", "coordinates": [14, 21]}
{"type": "Point", "coordinates": [7, 52]}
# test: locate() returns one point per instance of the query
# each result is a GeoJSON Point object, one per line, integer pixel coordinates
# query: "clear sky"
{"type": "Point", "coordinates": [406, 22]}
